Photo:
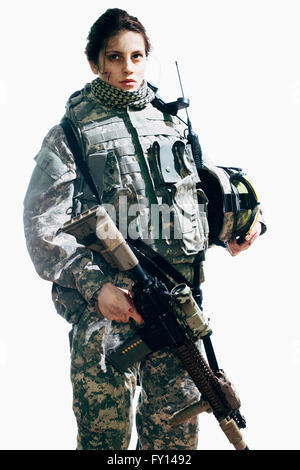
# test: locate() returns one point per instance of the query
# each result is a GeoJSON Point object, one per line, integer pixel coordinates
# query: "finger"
{"type": "Point", "coordinates": [253, 237]}
{"type": "Point", "coordinates": [124, 318]}
{"type": "Point", "coordinates": [235, 248]}
{"type": "Point", "coordinates": [135, 316]}
{"type": "Point", "coordinates": [133, 313]}
{"type": "Point", "coordinates": [230, 248]}
{"type": "Point", "coordinates": [121, 318]}
{"type": "Point", "coordinates": [244, 245]}
{"type": "Point", "coordinates": [116, 314]}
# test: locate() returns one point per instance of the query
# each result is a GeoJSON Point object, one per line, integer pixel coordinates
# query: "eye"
{"type": "Point", "coordinates": [138, 56]}
{"type": "Point", "coordinates": [114, 57]}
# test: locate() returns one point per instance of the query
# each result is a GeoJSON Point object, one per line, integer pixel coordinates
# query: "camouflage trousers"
{"type": "Point", "coordinates": [103, 397]}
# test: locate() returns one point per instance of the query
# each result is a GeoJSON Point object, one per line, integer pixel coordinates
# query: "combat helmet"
{"type": "Point", "coordinates": [233, 206]}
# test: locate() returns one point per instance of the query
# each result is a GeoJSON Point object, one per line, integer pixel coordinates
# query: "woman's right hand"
{"type": "Point", "coordinates": [116, 304]}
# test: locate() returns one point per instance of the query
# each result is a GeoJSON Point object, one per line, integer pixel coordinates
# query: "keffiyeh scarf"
{"type": "Point", "coordinates": [117, 98]}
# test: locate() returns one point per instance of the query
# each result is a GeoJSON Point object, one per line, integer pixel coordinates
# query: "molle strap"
{"type": "Point", "coordinates": [128, 167]}
{"type": "Point", "coordinates": [97, 134]}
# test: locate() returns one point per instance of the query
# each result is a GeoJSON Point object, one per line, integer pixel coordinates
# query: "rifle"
{"type": "Point", "coordinates": [172, 317]}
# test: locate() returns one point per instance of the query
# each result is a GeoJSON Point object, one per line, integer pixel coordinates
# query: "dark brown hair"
{"type": "Point", "coordinates": [109, 24]}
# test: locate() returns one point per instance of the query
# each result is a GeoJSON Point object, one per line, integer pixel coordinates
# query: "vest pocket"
{"type": "Point", "coordinates": [169, 162]}
{"type": "Point", "coordinates": [190, 222]}
{"type": "Point", "coordinates": [96, 164]}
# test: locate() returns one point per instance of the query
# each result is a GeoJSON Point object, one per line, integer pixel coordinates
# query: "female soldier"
{"type": "Point", "coordinates": [119, 129]}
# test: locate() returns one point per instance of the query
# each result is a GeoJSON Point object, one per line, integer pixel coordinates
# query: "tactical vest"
{"type": "Point", "coordinates": [141, 165]}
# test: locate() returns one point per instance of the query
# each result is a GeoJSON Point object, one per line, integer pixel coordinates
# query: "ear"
{"type": "Point", "coordinates": [94, 67]}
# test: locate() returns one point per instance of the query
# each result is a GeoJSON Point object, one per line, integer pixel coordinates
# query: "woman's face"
{"type": "Point", "coordinates": [122, 63]}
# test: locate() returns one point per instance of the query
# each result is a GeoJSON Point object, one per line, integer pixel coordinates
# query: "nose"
{"type": "Point", "coordinates": [127, 65]}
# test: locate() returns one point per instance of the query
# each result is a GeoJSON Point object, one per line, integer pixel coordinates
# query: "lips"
{"type": "Point", "coordinates": [128, 82]}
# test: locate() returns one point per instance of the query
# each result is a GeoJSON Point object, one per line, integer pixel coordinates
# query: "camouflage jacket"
{"type": "Point", "coordinates": [137, 156]}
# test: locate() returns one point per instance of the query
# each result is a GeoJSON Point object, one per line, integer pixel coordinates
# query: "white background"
{"type": "Point", "coordinates": [239, 64]}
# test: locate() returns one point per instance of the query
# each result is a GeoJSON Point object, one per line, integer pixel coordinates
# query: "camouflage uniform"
{"type": "Point", "coordinates": [125, 138]}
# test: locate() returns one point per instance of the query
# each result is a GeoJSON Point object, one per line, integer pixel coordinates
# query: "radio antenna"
{"type": "Point", "coordinates": [192, 138]}
{"type": "Point", "coordinates": [180, 83]}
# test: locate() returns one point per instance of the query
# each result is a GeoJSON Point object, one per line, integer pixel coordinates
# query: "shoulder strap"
{"type": "Point", "coordinates": [158, 260]}
{"type": "Point", "coordinates": [72, 139]}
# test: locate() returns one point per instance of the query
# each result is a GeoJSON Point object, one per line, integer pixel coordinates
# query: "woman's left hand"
{"type": "Point", "coordinates": [234, 248]}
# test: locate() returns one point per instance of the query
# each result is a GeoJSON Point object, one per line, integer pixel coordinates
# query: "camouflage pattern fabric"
{"type": "Point", "coordinates": [57, 257]}
{"type": "Point", "coordinates": [125, 139]}
{"type": "Point", "coordinates": [134, 173]}
{"type": "Point", "coordinates": [77, 272]}
{"type": "Point", "coordinates": [103, 397]}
